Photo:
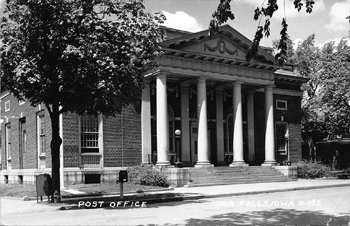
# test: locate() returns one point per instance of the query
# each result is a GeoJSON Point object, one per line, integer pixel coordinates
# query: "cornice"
{"type": "Point", "coordinates": [234, 70]}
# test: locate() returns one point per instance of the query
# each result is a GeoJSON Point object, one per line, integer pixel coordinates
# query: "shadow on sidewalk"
{"type": "Point", "coordinates": [113, 202]}
{"type": "Point", "coordinates": [274, 217]}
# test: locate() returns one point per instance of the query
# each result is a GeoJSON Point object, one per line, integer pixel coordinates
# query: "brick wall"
{"type": "Point", "coordinates": [14, 116]}
{"type": "Point", "coordinates": [122, 139]}
{"type": "Point", "coordinates": [70, 140]}
{"type": "Point", "coordinates": [122, 144]}
{"type": "Point", "coordinates": [293, 112]}
{"type": "Point", "coordinates": [292, 116]}
{"type": "Point", "coordinates": [295, 141]}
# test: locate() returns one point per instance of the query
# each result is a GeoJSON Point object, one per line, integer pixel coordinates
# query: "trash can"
{"type": "Point", "coordinates": [43, 186]}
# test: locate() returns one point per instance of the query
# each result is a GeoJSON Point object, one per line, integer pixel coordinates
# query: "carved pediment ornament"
{"type": "Point", "coordinates": [221, 47]}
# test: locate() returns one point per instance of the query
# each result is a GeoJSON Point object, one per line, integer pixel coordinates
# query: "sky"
{"type": "Point", "coordinates": [327, 21]}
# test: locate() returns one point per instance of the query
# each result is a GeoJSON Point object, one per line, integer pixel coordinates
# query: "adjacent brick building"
{"type": "Point", "coordinates": [229, 111]}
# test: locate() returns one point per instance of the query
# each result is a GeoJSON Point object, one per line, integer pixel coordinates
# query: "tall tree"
{"type": "Point", "coordinates": [327, 93]}
{"type": "Point", "coordinates": [335, 95]}
{"type": "Point", "coordinates": [307, 58]}
{"type": "Point", "coordinates": [82, 56]}
{"type": "Point", "coordinates": [289, 54]}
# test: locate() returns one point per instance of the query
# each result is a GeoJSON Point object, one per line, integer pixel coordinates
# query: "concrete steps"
{"type": "Point", "coordinates": [234, 175]}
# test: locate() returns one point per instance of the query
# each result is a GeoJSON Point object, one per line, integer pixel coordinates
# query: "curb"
{"type": "Point", "coordinates": [97, 195]}
{"type": "Point", "coordinates": [115, 193]}
{"type": "Point", "coordinates": [196, 197]}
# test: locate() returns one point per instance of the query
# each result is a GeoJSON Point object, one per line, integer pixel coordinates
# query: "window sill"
{"type": "Point", "coordinates": [92, 153]}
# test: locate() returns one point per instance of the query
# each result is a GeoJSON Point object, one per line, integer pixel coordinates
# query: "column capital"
{"type": "Point", "coordinates": [161, 75]}
{"type": "Point", "coordinates": [185, 84]}
{"type": "Point", "coordinates": [270, 87]}
{"type": "Point", "coordinates": [147, 81]}
{"type": "Point", "coordinates": [219, 89]}
{"type": "Point", "coordinates": [202, 79]}
{"type": "Point", "coordinates": [250, 92]}
{"type": "Point", "coordinates": [238, 83]}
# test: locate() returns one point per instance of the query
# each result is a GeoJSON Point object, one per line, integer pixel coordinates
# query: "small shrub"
{"type": "Point", "coordinates": [146, 175]}
{"type": "Point", "coordinates": [134, 172]}
{"type": "Point", "coordinates": [311, 170]}
{"type": "Point", "coordinates": [153, 177]}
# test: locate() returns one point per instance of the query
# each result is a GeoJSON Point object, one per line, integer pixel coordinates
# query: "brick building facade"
{"type": "Point", "coordinates": [229, 111]}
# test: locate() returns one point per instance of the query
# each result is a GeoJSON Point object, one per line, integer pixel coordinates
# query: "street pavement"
{"type": "Point", "coordinates": [17, 205]}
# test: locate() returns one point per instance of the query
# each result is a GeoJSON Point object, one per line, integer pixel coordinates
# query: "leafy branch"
{"type": "Point", "coordinates": [223, 13]}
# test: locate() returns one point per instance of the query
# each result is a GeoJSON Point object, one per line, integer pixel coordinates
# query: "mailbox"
{"type": "Point", "coordinates": [43, 186]}
{"type": "Point", "coordinates": [123, 176]}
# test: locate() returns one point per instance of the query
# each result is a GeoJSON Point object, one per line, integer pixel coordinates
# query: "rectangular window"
{"type": "Point", "coordinates": [41, 134]}
{"type": "Point", "coordinates": [22, 140]}
{"type": "Point", "coordinates": [7, 105]}
{"type": "Point", "coordinates": [281, 104]}
{"type": "Point", "coordinates": [89, 134]}
{"type": "Point", "coordinates": [23, 135]}
{"type": "Point", "coordinates": [281, 136]}
{"type": "Point", "coordinates": [8, 140]}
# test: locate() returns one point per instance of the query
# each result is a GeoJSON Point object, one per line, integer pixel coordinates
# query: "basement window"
{"type": "Point", "coordinates": [20, 179]}
{"type": "Point", "coordinates": [92, 178]}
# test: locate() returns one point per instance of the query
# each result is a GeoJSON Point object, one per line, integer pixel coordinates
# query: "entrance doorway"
{"type": "Point", "coordinates": [229, 140]}
{"type": "Point", "coordinates": [194, 143]}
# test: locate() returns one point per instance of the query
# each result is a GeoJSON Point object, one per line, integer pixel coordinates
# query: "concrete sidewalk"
{"type": "Point", "coordinates": [177, 194]}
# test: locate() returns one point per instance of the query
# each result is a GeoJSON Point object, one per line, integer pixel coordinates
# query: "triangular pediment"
{"type": "Point", "coordinates": [227, 43]}
{"type": "Point", "coordinates": [217, 46]}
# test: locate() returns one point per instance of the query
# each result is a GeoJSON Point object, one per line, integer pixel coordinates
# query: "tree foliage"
{"type": "Point", "coordinates": [326, 107]}
{"type": "Point", "coordinates": [76, 55]}
{"type": "Point", "coordinates": [224, 12]}
{"type": "Point", "coordinates": [289, 53]}
{"type": "Point", "coordinates": [335, 96]}
{"type": "Point", "coordinates": [83, 56]}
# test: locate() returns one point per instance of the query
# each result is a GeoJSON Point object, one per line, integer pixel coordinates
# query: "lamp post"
{"type": "Point", "coordinates": [178, 163]}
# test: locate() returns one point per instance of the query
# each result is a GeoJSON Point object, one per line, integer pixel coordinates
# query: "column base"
{"type": "Point", "coordinates": [204, 164]}
{"type": "Point", "coordinates": [269, 163]}
{"type": "Point", "coordinates": [163, 164]}
{"type": "Point", "coordinates": [238, 164]}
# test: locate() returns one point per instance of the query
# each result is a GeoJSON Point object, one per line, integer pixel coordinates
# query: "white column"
{"type": "Point", "coordinates": [269, 134]}
{"type": "Point", "coordinates": [185, 125]}
{"type": "Point", "coordinates": [146, 136]}
{"type": "Point", "coordinates": [162, 123]}
{"type": "Point", "coordinates": [220, 127]}
{"type": "Point", "coordinates": [203, 151]}
{"type": "Point", "coordinates": [238, 157]}
{"type": "Point", "coordinates": [61, 153]}
{"type": "Point", "coordinates": [251, 137]}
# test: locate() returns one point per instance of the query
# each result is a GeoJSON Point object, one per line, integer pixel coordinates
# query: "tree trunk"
{"type": "Point", "coordinates": [55, 150]}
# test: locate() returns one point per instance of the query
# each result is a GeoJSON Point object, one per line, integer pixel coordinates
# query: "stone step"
{"type": "Point", "coordinates": [191, 184]}
{"type": "Point", "coordinates": [235, 175]}
{"type": "Point", "coordinates": [212, 180]}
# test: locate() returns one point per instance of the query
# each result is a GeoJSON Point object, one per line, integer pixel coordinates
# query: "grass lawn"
{"type": "Point", "coordinates": [21, 190]}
